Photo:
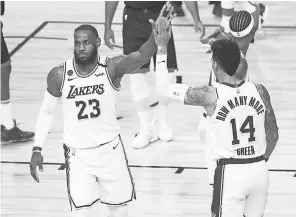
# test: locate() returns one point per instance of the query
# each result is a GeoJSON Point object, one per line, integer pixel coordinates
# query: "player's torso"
{"type": "Point", "coordinates": [88, 107]}
{"type": "Point", "coordinates": [236, 129]}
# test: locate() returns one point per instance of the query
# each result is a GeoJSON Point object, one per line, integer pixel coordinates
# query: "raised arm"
{"type": "Point", "coordinates": [271, 128]}
{"type": "Point", "coordinates": [198, 96]}
{"type": "Point", "coordinates": [110, 8]}
{"type": "Point", "coordinates": [126, 64]}
{"type": "Point", "coordinates": [54, 83]}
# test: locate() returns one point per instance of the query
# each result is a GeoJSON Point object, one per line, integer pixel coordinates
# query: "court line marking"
{"type": "Point", "coordinates": [179, 25]}
{"type": "Point", "coordinates": [38, 37]}
{"type": "Point", "coordinates": [20, 45]}
{"type": "Point", "coordinates": [145, 166]}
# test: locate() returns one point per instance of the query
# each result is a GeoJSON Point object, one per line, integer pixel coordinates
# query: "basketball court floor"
{"type": "Point", "coordinates": [171, 178]}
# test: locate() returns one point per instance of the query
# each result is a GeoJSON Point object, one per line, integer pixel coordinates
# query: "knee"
{"type": "Point", "coordinates": [139, 86]}
{"type": "Point", "coordinates": [118, 211]}
{"type": "Point", "coordinates": [80, 212]}
{"type": "Point", "coordinates": [5, 69]}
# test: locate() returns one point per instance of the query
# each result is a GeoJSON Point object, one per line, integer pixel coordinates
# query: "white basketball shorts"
{"type": "Point", "coordinates": [240, 188]}
{"type": "Point", "coordinates": [98, 174]}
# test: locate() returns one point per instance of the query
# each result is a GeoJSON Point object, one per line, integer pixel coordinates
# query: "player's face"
{"type": "Point", "coordinates": [85, 47]}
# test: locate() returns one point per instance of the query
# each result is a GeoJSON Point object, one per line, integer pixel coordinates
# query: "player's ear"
{"type": "Point", "coordinates": [98, 42]}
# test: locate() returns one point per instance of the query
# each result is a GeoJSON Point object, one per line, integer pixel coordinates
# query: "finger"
{"type": "Point", "coordinates": [203, 32]}
{"type": "Point", "coordinates": [151, 21]}
{"type": "Point", "coordinates": [41, 165]}
{"type": "Point", "coordinates": [109, 45]}
{"type": "Point", "coordinates": [172, 17]}
{"type": "Point", "coordinates": [169, 7]}
{"type": "Point", "coordinates": [170, 11]}
{"type": "Point", "coordinates": [162, 10]}
{"type": "Point", "coordinates": [34, 173]}
{"type": "Point", "coordinates": [170, 30]}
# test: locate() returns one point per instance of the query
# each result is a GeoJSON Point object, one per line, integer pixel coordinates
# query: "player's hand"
{"type": "Point", "coordinates": [199, 28]}
{"type": "Point", "coordinates": [162, 26]}
{"type": "Point", "coordinates": [36, 160]}
{"type": "Point", "coordinates": [109, 35]}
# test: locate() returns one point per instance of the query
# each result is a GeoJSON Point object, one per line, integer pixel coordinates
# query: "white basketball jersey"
{"type": "Point", "coordinates": [236, 129]}
{"type": "Point", "coordinates": [88, 106]}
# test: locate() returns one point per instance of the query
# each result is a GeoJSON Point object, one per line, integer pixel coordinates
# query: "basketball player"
{"type": "Point", "coordinates": [96, 163]}
{"type": "Point", "coordinates": [242, 28]}
{"type": "Point", "coordinates": [9, 130]}
{"type": "Point", "coordinates": [258, 11]}
{"type": "Point", "coordinates": [243, 130]}
{"type": "Point", "coordinates": [136, 30]}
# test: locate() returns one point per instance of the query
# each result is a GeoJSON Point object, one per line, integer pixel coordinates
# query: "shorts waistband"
{"type": "Point", "coordinates": [118, 136]}
{"type": "Point", "coordinates": [225, 161]}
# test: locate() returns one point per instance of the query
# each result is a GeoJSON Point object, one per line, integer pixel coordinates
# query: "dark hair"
{"type": "Point", "coordinates": [89, 28]}
{"type": "Point", "coordinates": [226, 54]}
{"type": "Point", "coordinates": [240, 21]}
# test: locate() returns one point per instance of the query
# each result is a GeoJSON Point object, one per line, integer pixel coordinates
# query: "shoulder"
{"type": "Point", "coordinates": [262, 91]}
{"type": "Point", "coordinates": [55, 79]}
{"type": "Point", "coordinates": [113, 64]}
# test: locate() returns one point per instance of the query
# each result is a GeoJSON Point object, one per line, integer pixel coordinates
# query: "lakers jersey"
{"type": "Point", "coordinates": [236, 129]}
{"type": "Point", "coordinates": [88, 104]}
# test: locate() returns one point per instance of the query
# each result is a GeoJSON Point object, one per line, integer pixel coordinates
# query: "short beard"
{"type": "Point", "coordinates": [88, 60]}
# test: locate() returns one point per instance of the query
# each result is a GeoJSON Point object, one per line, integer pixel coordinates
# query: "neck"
{"type": "Point", "coordinates": [230, 79]}
{"type": "Point", "coordinates": [87, 68]}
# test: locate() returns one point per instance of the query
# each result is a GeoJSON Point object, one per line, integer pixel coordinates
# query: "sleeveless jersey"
{"type": "Point", "coordinates": [236, 129]}
{"type": "Point", "coordinates": [88, 104]}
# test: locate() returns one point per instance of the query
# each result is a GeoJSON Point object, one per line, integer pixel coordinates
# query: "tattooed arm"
{"type": "Point", "coordinates": [271, 128]}
{"type": "Point", "coordinates": [200, 96]}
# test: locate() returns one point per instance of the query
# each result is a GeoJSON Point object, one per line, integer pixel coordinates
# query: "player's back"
{"type": "Point", "coordinates": [236, 129]}
{"type": "Point", "coordinates": [88, 106]}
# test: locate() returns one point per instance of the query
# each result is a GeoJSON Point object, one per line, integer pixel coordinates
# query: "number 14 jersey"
{"type": "Point", "coordinates": [236, 129]}
{"type": "Point", "coordinates": [88, 104]}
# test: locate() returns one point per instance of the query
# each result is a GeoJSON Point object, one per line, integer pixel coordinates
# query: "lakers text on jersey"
{"type": "Point", "coordinates": [88, 106]}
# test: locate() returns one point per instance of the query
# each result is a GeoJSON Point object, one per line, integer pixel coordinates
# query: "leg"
{"type": "Point", "coordinates": [9, 131]}
{"type": "Point", "coordinates": [136, 32]}
{"type": "Point", "coordinates": [5, 78]}
{"type": "Point", "coordinates": [80, 213]}
{"type": "Point", "coordinates": [116, 181]}
{"type": "Point", "coordinates": [82, 186]}
{"type": "Point", "coordinates": [118, 211]}
{"type": "Point", "coordinates": [228, 193]}
{"type": "Point", "coordinates": [257, 198]}
{"type": "Point", "coordinates": [227, 12]}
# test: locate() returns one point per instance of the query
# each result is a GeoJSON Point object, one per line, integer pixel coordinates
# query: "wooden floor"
{"type": "Point", "coordinates": [171, 179]}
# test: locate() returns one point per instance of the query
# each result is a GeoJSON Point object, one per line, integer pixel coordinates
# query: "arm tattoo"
{"type": "Point", "coordinates": [271, 128]}
{"type": "Point", "coordinates": [199, 95]}
{"type": "Point", "coordinates": [55, 80]}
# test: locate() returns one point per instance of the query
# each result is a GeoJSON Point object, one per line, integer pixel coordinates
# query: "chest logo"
{"type": "Point", "coordinates": [83, 91]}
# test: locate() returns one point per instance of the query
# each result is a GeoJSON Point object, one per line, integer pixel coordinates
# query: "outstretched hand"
{"type": "Point", "coordinates": [162, 26]}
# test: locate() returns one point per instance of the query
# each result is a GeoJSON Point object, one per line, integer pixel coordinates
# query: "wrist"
{"type": "Point", "coordinates": [108, 26]}
{"type": "Point", "coordinates": [161, 50]}
{"type": "Point", "coordinates": [37, 149]}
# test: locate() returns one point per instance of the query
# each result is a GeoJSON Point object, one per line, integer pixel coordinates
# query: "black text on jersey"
{"type": "Point", "coordinates": [87, 90]}
{"type": "Point", "coordinates": [239, 101]}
